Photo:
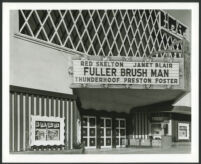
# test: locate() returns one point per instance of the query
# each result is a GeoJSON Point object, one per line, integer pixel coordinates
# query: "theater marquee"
{"type": "Point", "coordinates": [123, 72]}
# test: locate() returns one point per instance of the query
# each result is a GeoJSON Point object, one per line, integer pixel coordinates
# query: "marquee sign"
{"type": "Point", "coordinates": [123, 72]}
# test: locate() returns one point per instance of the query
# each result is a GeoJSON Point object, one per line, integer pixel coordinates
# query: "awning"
{"type": "Point", "coordinates": [165, 107]}
{"type": "Point", "coordinates": [180, 110]}
{"type": "Point", "coordinates": [183, 105]}
{"type": "Point", "coordinates": [124, 100]}
{"type": "Point", "coordinates": [184, 101]}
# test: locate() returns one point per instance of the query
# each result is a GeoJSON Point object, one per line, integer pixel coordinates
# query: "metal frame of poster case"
{"type": "Point", "coordinates": [34, 142]}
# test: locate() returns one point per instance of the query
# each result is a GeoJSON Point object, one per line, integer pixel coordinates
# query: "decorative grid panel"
{"type": "Point", "coordinates": [101, 32]}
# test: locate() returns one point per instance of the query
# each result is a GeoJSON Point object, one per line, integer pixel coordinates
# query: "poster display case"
{"type": "Point", "coordinates": [47, 131]}
{"type": "Point", "coordinates": [183, 131]}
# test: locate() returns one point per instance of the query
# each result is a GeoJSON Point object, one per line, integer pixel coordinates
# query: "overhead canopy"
{"type": "Point", "coordinates": [181, 110]}
{"type": "Point", "coordinates": [184, 101]}
{"type": "Point", "coordinates": [182, 106]}
{"type": "Point", "coordinates": [123, 100]}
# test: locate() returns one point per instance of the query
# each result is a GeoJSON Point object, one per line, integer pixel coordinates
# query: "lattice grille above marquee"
{"type": "Point", "coordinates": [100, 32]}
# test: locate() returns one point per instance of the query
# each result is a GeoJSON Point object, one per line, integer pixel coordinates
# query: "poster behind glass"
{"type": "Point", "coordinates": [47, 131]}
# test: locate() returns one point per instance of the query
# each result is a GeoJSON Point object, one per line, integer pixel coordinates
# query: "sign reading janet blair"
{"type": "Point", "coordinates": [120, 72]}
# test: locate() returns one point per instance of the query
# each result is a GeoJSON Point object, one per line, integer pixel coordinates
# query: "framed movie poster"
{"type": "Point", "coordinates": [47, 130]}
{"type": "Point", "coordinates": [183, 131]}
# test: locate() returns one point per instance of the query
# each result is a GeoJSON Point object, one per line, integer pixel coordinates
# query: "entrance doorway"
{"type": "Point", "coordinates": [89, 131]}
{"type": "Point", "coordinates": [120, 132]}
{"type": "Point", "coordinates": [105, 132]}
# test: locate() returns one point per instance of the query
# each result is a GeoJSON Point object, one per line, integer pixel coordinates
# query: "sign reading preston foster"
{"type": "Point", "coordinates": [121, 72]}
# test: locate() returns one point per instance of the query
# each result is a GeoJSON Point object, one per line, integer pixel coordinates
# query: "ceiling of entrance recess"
{"type": "Point", "coordinates": [122, 100]}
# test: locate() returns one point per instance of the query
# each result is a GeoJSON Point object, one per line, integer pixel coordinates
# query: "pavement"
{"type": "Point", "coordinates": [177, 148]}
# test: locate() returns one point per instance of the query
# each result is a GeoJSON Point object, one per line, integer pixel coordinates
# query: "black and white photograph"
{"type": "Point", "coordinates": [100, 82]}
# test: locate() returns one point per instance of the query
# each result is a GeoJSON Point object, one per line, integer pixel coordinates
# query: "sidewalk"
{"type": "Point", "coordinates": [174, 149]}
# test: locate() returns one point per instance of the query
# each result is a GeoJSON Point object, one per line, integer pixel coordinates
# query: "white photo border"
{"type": "Point", "coordinates": [192, 157]}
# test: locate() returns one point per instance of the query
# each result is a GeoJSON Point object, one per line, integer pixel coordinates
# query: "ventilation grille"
{"type": "Point", "coordinates": [99, 32]}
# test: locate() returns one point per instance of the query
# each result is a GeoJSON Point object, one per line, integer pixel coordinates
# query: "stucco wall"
{"type": "Point", "coordinates": [37, 66]}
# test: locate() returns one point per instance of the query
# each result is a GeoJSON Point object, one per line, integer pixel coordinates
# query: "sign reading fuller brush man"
{"type": "Point", "coordinates": [122, 72]}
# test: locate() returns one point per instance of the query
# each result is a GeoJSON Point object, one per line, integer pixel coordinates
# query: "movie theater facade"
{"type": "Point", "coordinates": [104, 78]}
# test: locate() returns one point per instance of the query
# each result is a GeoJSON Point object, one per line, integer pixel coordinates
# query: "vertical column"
{"type": "Point", "coordinates": [127, 125]}
{"type": "Point", "coordinates": [71, 124]}
{"type": "Point", "coordinates": [45, 106]}
{"type": "Point", "coordinates": [136, 125]}
{"type": "Point", "coordinates": [15, 125]}
{"type": "Point", "coordinates": [81, 119]}
{"type": "Point", "coordinates": [75, 122]}
{"type": "Point", "coordinates": [24, 123]}
{"type": "Point", "coordinates": [37, 105]}
{"type": "Point", "coordinates": [146, 132]}
{"type": "Point", "coordinates": [63, 108]}
{"type": "Point", "coordinates": [40, 107]}
{"type": "Point", "coordinates": [12, 122]}
{"type": "Point", "coordinates": [63, 116]}
{"type": "Point", "coordinates": [27, 121]}
{"type": "Point", "coordinates": [133, 126]}
{"type": "Point", "coordinates": [18, 122]}
{"type": "Point", "coordinates": [21, 119]}
{"type": "Point", "coordinates": [142, 125]}
{"type": "Point", "coordinates": [29, 104]}
{"type": "Point", "coordinates": [49, 106]}
{"type": "Point", "coordinates": [33, 105]}
{"type": "Point", "coordinates": [170, 127]}
{"type": "Point", "coordinates": [149, 124]}
{"type": "Point", "coordinates": [54, 107]}
{"type": "Point", "coordinates": [66, 123]}
{"type": "Point", "coordinates": [59, 108]}
{"type": "Point", "coordinates": [113, 132]}
{"type": "Point", "coordinates": [88, 135]}
{"type": "Point", "coordinates": [98, 132]}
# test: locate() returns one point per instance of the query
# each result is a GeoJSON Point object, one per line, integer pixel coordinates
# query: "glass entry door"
{"type": "Point", "coordinates": [105, 132]}
{"type": "Point", "coordinates": [120, 132]}
{"type": "Point", "coordinates": [89, 131]}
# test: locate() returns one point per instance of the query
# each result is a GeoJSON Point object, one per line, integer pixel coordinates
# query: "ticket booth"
{"type": "Point", "coordinates": [160, 126]}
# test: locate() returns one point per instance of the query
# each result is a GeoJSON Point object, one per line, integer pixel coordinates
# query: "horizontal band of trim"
{"type": "Point", "coordinates": [41, 92]}
{"type": "Point", "coordinates": [47, 44]}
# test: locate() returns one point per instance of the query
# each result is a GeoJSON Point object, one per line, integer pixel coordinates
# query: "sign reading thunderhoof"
{"type": "Point", "coordinates": [123, 72]}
